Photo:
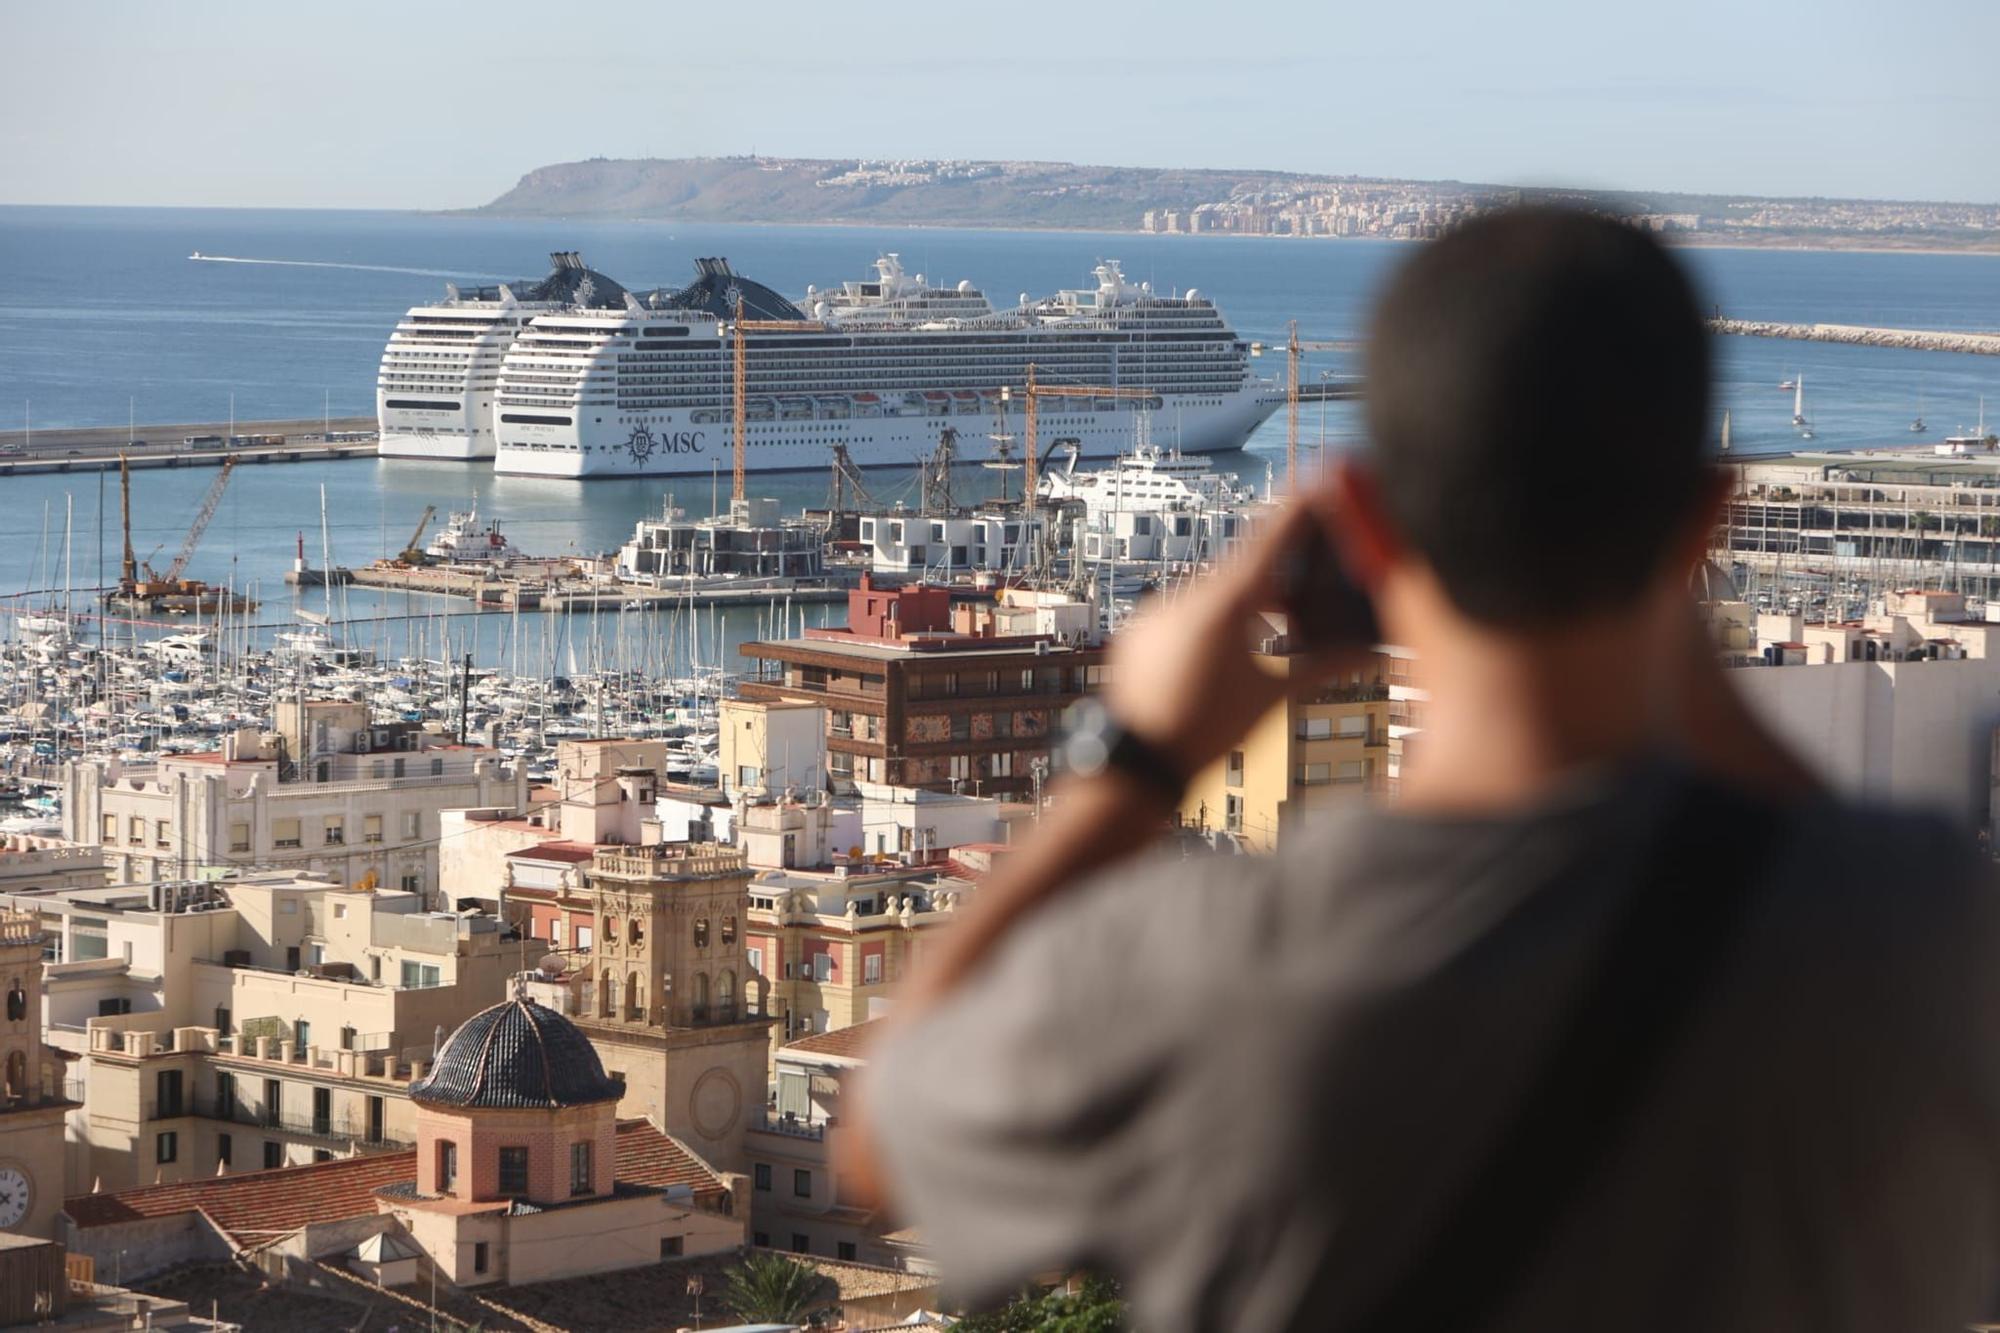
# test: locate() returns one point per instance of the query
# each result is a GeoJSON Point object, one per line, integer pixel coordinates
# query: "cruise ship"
{"type": "Point", "coordinates": [434, 393]}
{"type": "Point", "coordinates": [643, 384]}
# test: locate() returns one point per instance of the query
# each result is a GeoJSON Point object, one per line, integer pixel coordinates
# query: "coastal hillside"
{"type": "Point", "coordinates": [932, 193]}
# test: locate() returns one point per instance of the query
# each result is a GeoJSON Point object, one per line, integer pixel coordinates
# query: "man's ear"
{"type": "Point", "coordinates": [1350, 506]}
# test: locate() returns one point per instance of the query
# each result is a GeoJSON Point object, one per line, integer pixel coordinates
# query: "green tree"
{"type": "Point", "coordinates": [771, 1289]}
{"type": "Point", "coordinates": [1097, 1306]}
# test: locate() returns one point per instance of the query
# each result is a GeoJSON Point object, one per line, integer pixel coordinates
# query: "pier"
{"type": "Point", "coordinates": [1915, 340]}
{"type": "Point", "coordinates": [540, 584]}
{"type": "Point", "coordinates": [95, 448]}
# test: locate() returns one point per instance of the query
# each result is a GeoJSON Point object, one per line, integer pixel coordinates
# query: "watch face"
{"type": "Point", "coordinates": [15, 1193]}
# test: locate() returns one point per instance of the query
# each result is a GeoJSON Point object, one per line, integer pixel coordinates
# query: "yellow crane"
{"type": "Point", "coordinates": [413, 554]}
{"type": "Point", "coordinates": [741, 396]}
{"type": "Point", "coordinates": [1294, 349]}
{"type": "Point", "coordinates": [1034, 393]}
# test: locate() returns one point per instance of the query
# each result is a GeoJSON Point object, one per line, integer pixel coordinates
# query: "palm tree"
{"type": "Point", "coordinates": [771, 1289]}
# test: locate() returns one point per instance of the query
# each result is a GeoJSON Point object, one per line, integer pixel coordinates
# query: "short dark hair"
{"type": "Point", "coordinates": [1537, 399]}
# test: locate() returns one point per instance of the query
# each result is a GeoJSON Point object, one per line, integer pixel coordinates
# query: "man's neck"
{"type": "Point", "coordinates": [1511, 714]}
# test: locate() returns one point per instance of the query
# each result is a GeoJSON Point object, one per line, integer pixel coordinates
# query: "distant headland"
{"type": "Point", "coordinates": [936, 192]}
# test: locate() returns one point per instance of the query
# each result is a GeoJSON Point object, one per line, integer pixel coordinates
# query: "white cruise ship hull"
{"type": "Point", "coordinates": [673, 444]}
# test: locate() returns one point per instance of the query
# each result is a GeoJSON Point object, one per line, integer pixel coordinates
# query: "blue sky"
{"type": "Point", "coordinates": [437, 103]}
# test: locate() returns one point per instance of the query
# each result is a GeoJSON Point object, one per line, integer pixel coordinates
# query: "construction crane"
{"type": "Point", "coordinates": [737, 494]}
{"type": "Point", "coordinates": [1035, 392]}
{"type": "Point", "coordinates": [413, 554]}
{"type": "Point", "coordinates": [1294, 347]}
{"type": "Point", "coordinates": [209, 504]}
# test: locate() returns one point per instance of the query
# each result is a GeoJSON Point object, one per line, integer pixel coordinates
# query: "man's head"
{"type": "Point", "coordinates": [1538, 405]}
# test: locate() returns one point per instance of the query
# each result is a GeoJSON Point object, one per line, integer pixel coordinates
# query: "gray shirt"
{"type": "Point", "coordinates": [1245, 1086]}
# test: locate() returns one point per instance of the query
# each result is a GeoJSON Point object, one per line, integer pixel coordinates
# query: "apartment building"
{"type": "Point", "coordinates": [921, 694]}
{"type": "Point", "coordinates": [797, 1199]}
{"type": "Point", "coordinates": [828, 948]}
{"type": "Point", "coordinates": [1341, 740]}
{"type": "Point", "coordinates": [281, 1017]}
{"type": "Point", "coordinates": [326, 792]}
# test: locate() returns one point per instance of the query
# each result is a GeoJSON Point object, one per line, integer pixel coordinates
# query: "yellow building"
{"type": "Point", "coordinates": [1332, 743]}
{"type": "Point", "coordinates": [32, 1105]}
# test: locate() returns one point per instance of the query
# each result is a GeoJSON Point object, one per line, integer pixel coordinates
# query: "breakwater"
{"type": "Point", "coordinates": [1917, 340]}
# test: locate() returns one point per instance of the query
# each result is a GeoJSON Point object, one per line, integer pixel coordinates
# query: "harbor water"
{"type": "Point", "coordinates": [111, 317]}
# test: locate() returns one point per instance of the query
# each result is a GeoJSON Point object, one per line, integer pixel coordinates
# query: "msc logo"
{"type": "Point", "coordinates": [642, 443]}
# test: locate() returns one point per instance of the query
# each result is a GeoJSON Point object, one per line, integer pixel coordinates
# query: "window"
{"type": "Point", "coordinates": [239, 837]}
{"type": "Point", "coordinates": [761, 1239]}
{"type": "Point", "coordinates": [17, 1003]}
{"type": "Point", "coordinates": [729, 930]}
{"type": "Point", "coordinates": [225, 1095]}
{"type": "Point", "coordinates": [347, 1036]}
{"type": "Point", "coordinates": [166, 1146]}
{"type": "Point", "coordinates": [479, 1247]}
{"type": "Point", "coordinates": [670, 1247]}
{"type": "Point", "coordinates": [701, 932]}
{"type": "Point", "coordinates": [961, 726]}
{"type": "Point", "coordinates": [419, 976]}
{"type": "Point", "coordinates": [110, 830]}
{"type": "Point", "coordinates": [224, 1150]}
{"type": "Point", "coordinates": [763, 1170]}
{"type": "Point", "coordinates": [167, 1103]}
{"type": "Point", "coordinates": [412, 823]}
{"type": "Point", "coordinates": [1233, 775]}
{"type": "Point", "coordinates": [756, 956]}
{"type": "Point", "coordinates": [322, 1154]}
{"type": "Point", "coordinates": [116, 1005]}
{"type": "Point", "coordinates": [437, 768]}
{"type": "Point", "coordinates": [396, 770]}
{"type": "Point", "coordinates": [274, 1155]}
{"type": "Point", "coordinates": [334, 830]}
{"type": "Point", "coordinates": [377, 769]}
{"type": "Point", "coordinates": [413, 883]}
{"type": "Point", "coordinates": [1232, 815]}
{"type": "Point", "coordinates": [802, 1184]}
{"type": "Point", "coordinates": [845, 1251]}
{"type": "Point", "coordinates": [1351, 770]}
{"type": "Point", "coordinates": [1315, 728]}
{"type": "Point", "coordinates": [636, 932]}
{"type": "Point", "coordinates": [371, 828]}
{"type": "Point", "coordinates": [1315, 775]}
{"type": "Point", "coordinates": [801, 1244]}
{"type": "Point", "coordinates": [513, 1170]}
{"type": "Point", "coordinates": [302, 1032]}
{"type": "Point", "coordinates": [1353, 726]}
{"type": "Point", "coordinates": [447, 1166]}
{"type": "Point", "coordinates": [871, 969]}
{"type": "Point", "coordinates": [284, 833]}
{"type": "Point", "coordinates": [580, 1181]}
{"type": "Point", "coordinates": [135, 829]}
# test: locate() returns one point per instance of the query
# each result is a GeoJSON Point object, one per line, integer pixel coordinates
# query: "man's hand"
{"type": "Point", "coordinates": [1185, 676]}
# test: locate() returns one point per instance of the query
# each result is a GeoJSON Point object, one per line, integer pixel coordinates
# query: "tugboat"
{"type": "Point", "coordinates": [464, 542]}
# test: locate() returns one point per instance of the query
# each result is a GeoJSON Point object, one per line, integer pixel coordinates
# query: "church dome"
{"type": "Point", "coordinates": [517, 1054]}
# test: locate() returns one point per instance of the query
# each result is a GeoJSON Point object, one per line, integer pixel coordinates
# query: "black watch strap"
{"type": "Point", "coordinates": [1095, 742]}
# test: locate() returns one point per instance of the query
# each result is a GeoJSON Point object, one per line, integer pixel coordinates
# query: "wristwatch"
{"type": "Point", "coordinates": [1095, 742]}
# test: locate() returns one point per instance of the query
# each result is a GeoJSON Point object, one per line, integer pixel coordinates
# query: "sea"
{"type": "Point", "coordinates": [104, 318]}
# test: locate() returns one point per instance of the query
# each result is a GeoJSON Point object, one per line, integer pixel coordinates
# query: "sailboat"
{"type": "Point", "coordinates": [1725, 432]}
{"type": "Point", "coordinates": [1799, 400]}
{"type": "Point", "coordinates": [1917, 426]}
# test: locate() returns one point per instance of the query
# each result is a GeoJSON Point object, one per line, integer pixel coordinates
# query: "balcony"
{"type": "Point", "coordinates": [770, 1122]}
{"type": "Point", "coordinates": [340, 1131]}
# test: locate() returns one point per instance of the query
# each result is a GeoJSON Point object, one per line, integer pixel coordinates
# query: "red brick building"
{"type": "Point", "coordinates": [920, 693]}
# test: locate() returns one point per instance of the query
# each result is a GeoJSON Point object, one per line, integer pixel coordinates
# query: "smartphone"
{"type": "Point", "coordinates": [1323, 607]}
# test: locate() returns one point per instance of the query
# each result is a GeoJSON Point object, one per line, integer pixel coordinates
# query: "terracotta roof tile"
{"type": "Point", "coordinates": [849, 1043]}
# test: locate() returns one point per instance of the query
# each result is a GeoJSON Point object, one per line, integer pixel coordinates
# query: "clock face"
{"type": "Point", "coordinates": [15, 1194]}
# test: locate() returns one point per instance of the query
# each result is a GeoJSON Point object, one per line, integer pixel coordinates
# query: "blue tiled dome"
{"type": "Point", "coordinates": [517, 1054]}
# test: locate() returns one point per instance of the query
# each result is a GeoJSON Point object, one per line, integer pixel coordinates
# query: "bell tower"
{"type": "Point", "coordinates": [32, 1106]}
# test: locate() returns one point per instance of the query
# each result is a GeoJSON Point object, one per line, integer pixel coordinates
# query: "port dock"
{"type": "Point", "coordinates": [554, 585]}
{"type": "Point", "coordinates": [95, 448]}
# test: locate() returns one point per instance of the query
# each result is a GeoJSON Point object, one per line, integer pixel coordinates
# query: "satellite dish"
{"type": "Point", "coordinates": [551, 965]}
